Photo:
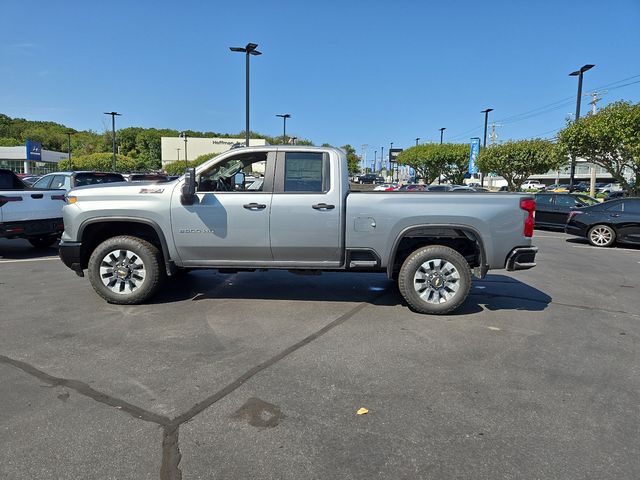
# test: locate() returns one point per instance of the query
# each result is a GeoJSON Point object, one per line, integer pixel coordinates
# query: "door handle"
{"type": "Point", "coordinates": [323, 206]}
{"type": "Point", "coordinates": [615, 214]}
{"type": "Point", "coordinates": [37, 195]}
{"type": "Point", "coordinates": [254, 206]}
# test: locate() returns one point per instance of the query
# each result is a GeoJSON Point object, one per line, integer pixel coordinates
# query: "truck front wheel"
{"type": "Point", "coordinates": [434, 280]}
{"type": "Point", "coordinates": [126, 270]}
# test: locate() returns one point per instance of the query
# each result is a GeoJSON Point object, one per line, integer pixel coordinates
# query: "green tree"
{"type": "Point", "coordinates": [431, 160]}
{"type": "Point", "coordinates": [517, 161]}
{"type": "Point", "coordinates": [353, 160]}
{"type": "Point", "coordinates": [177, 168]}
{"type": "Point", "coordinates": [100, 162]}
{"type": "Point", "coordinates": [610, 139]}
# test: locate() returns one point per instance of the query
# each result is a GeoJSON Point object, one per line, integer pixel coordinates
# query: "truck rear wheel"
{"type": "Point", "coordinates": [126, 270]}
{"type": "Point", "coordinates": [435, 280]}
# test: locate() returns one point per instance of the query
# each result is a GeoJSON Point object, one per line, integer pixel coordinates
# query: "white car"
{"type": "Point", "coordinates": [385, 186]}
{"type": "Point", "coordinates": [610, 187]}
{"type": "Point", "coordinates": [532, 184]}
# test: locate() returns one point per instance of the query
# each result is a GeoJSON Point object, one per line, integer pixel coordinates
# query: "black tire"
{"type": "Point", "coordinates": [120, 281]}
{"type": "Point", "coordinates": [42, 242]}
{"type": "Point", "coordinates": [601, 236]}
{"type": "Point", "coordinates": [446, 289]}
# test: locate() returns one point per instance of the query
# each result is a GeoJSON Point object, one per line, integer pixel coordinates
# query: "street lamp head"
{"type": "Point", "coordinates": [583, 69]}
{"type": "Point", "coordinates": [237, 49]}
{"type": "Point", "coordinates": [487, 110]}
{"type": "Point", "coordinates": [285, 115]}
{"type": "Point", "coordinates": [112, 113]}
{"type": "Point", "coordinates": [442, 129]}
{"type": "Point", "coordinates": [183, 135]}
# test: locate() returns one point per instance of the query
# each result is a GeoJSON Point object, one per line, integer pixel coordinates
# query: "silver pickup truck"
{"type": "Point", "coordinates": [289, 207]}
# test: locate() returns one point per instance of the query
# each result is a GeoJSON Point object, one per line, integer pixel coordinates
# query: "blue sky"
{"type": "Point", "coordinates": [358, 72]}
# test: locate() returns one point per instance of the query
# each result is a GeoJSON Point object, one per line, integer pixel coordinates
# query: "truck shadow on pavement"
{"type": "Point", "coordinates": [495, 292]}
{"type": "Point", "coordinates": [19, 249]}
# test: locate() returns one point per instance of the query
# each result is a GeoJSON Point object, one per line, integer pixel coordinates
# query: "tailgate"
{"type": "Point", "coordinates": [17, 206]}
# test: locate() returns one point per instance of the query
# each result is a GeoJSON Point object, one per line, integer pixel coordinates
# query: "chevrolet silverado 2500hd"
{"type": "Point", "coordinates": [295, 213]}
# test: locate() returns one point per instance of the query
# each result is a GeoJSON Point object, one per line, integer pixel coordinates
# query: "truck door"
{"type": "Point", "coordinates": [229, 222]}
{"type": "Point", "coordinates": [306, 210]}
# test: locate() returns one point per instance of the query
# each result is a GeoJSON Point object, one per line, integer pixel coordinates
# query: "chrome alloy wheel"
{"type": "Point", "coordinates": [436, 281]}
{"type": "Point", "coordinates": [122, 271]}
{"type": "Point", "coordinates": [601, 236]}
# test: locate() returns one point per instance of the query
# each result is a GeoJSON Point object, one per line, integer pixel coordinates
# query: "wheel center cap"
{"type": "Point", "coordinates": [122, 272]}
{"type": "Point", "coordinates": [437, 282]}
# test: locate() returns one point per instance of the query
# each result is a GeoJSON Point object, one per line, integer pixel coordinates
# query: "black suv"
{"type": "Point", "coordinates": [370, 178]}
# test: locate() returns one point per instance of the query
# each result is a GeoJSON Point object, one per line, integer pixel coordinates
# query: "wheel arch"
{"type": "Point", "coordinates": [94, 231]}
{"type": "Point", "coordinates": [452, 235]}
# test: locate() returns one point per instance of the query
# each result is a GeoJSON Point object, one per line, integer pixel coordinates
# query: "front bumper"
{"type": "Point", "coordinates": [521, 258]}
{"type": "Point", "coordinates": [70, 254]}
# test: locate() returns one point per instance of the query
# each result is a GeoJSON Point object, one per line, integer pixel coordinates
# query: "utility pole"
{"type": "Point", "coordinates": [596, 97]}
{"type": "Point", "coordinates": [493, 135]}
{"type": "Point", "coordinates": [442, 133]}
{"type": "Point", "coordinates": [363, 162]}
{"type": "Point", "coordinates": [382, 157]}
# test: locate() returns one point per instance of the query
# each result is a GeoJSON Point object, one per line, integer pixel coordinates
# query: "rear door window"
{"type": "Point", "coordinates": [306, 172]}
{"type": "Point", "coordinates": [544, 199]}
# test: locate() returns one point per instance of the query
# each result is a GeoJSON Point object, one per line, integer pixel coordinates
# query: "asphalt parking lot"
{"type": "Point", "coordinates": [260, 375]}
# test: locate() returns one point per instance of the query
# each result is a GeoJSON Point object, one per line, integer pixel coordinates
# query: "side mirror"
{"type": "Point", "coordinates": [188, 196]}
{"type": "Point", "coordinates": [238, 181]}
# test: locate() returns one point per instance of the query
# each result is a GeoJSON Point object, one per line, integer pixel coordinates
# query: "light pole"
{"type": "Point", "coordinates": [382, 160]}
{"type": "Point", "coordinates": [284, 117]}
{"type": "Point", "coordinates": [250, 49]}
{"type": "Point", "coordinates": [294, 140]}
{"type": "Point", "coordinates": [375, 160]}
{"type": "Point", "coordinates": [178, 150]}
{"type": "Point", "coordinates": [484, 142]}
{"type": "Point", "coordinates": [113, 128]}
{"type": "Point", "coordinates": [69, 133]}
{"type": "Point", "coordinates": [183, 135]}
{"type": "Point", "coordinates": [579, 74]}
{"type": "Point", "coordinates": [417, 140]}
{"type": "Point", "coordinates": [442, 133]}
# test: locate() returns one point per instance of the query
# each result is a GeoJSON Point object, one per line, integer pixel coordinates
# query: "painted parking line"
{"type": "Point", "coordinates": [549, 236]}
{"type": "Point", "coordinates": [29, 260]}
{"type": "Point", "coordinates": [617, 249]}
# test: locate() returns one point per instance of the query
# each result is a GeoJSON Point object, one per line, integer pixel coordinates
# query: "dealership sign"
{"type": "Point", "coordinates": [34, 150]}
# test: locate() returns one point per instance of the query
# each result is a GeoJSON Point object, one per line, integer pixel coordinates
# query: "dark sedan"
{"type": "Point", "coordinates": [606, 223]}
{"type": "Point", "coordinates": [552, 209]}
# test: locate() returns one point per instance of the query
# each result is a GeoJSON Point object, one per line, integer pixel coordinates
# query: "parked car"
{"type": "Point", "coordinates": [532, 185]}
{"type": "Point", "coordinates": [614, 195]}
{"type": "Point", "coordinates": [29, 180]}
{"type": "Point", "coordinates": [148, 177]}
{"type": "Point", "coordinates": [610, 187]}
{"type": "Point", "coordinates": [552, 209]}
{"type": "Point", "coordinates": [412, 187]}
{"type": "Point", "coordinates": [386, 187]}
{"type": "Point", "coordinates": [441, 188]}
{"type": "Point", "coordinates": [69, 180]}
{"type": "Point", "coordinates": [606, 223]}
{"type": "Point", "coordinates": [557, 187]}
{"type": "Point", "coordinates": [370, 178]}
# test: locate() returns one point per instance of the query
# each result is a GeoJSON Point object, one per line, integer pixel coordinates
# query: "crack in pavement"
{"type": "Point", "coordinates": [171, 455]}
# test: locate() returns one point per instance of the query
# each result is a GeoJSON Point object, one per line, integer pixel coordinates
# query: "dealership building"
{"type": "Point", "coordinates": [175, 148]}
{"type": "Point", "coordinates": [30, 158]}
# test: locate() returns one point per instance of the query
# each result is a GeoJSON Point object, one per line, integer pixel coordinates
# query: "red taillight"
{"type": "Point", "coordinates": [528, 205]}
